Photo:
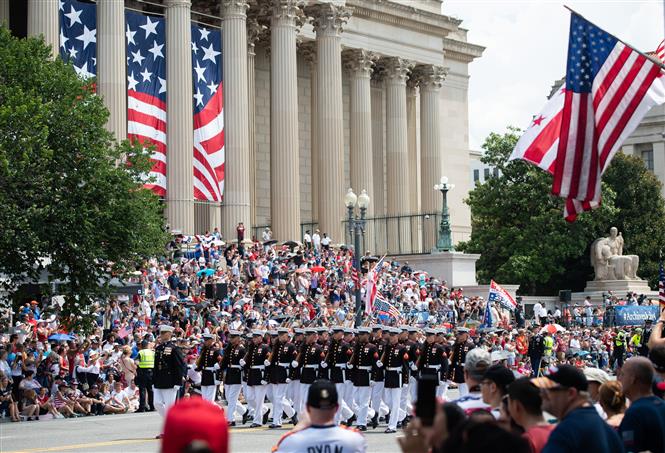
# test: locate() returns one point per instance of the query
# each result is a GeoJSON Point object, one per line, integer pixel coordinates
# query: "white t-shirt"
{"type": "Point", "coordinates": [325, 241]}
{"type": "Point", "coordinates": [472, 402]}
{"type": "Point", "coordinates": [322, 439]}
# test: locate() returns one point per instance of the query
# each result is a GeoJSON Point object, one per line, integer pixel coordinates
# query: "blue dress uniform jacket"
{"type": "Point", "coordinates": [255, 364]}
{"type": "Point", "coordinates": [231, 364]}
{"type": "Point", "coordinates": [395, 366]}
{"type": "Point", "coordinates": [170, 367]}
{"type": "Point", "coordinates": [311, 361]}
{"type": "Point", "coordinates": [205, 365]}
{"type": "Point", "coordinates": [377, 373]}
{"type": "Point", "coordinates": [364, 359]}
{"type": "Point", "coordinates": [433, 360]}
{"type": "Point", "coordinates": [280, 362]}
{"type": "Point", "coordinates": [457, 359]}
{"type": "Point", "coordinates": [339, 354]}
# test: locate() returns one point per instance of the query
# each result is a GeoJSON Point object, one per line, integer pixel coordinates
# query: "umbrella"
{"type": "Point", "coordinates": [206, 272]}
{"type": "Point", "coordinates": [218, 243]}
{"type": "Point", "coordinates": [317, 269]}
{"type": "Point", "coordinates": [408, 282]}
{"type": "Point", "coordinates": [60, 337]}
{"type": "Point", "coordinates": [552, 328]}
{"type": "Point", "coordinates": [371, 259]}
{"type": "Point", "coordinates": [225, 313]}
{"type": "Point", "coordinates": [291, 244]}
{"type": "Point", "coordinates": [163, 298]}
{"type": "Point", "coordinates": [270, 242]}
{"type": "Point", "coordinates": [301, 270]}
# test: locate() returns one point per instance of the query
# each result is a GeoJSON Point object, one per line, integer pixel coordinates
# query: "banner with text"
{"type": "Point", "coordinates": [634, 315]}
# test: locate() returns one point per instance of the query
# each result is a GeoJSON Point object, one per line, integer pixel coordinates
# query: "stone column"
{"type": "Point", "coordinates": [254, 30]}
{"type": "Point", "coordinates": [359, 64]}
{"type": "Point", "coordinates": [378, 161]}
{"type": "Point", "coordinates": [4, 13]}
{"type": "Point", "coordinates": [179, 109]}
{"type": "Point", "coordinates": [43, 20]}
{"type": "Point", "coordinates": [328, 22]}
{"type": "Point", "coordinates": [399, 231]}
{"type": "Point", "coordinates": [284, 165]}
{"type": "Point", "coordinates": [430, 79]}
{"type": "Point", "coordinates": [235, 207]}
{"type": "Point", "coordinates": [309, 52]}
{"type": "Point", "coordinates": [412, 138]}
{"type": "Point", "coordinates": [112, 64]}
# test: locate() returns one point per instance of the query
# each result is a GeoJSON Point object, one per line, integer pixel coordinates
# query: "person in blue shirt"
{"type": "Point", "coordinates": [643, 425]}
{"type": "Point", "coordinates": [564, 391]}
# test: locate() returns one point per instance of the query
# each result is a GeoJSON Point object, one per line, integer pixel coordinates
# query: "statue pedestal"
{"type": "Point", "coordinates": [456, 268]}
{"type": "Point", "coordinates": [596, 288]}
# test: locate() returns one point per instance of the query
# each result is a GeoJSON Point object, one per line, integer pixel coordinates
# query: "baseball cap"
{"type": "Point", "coordinates": [596, 375]}
{"type": "Point", "coordinates": [500, 375]}
{"type": "Point", "coordinates": [563, 375]}
{"type": "Point", "coordinates": [477, 362]}
{"type": "Point", "coordinates": [322, 394]}
{"type": "Point", "coordinates": [195, 421]}
{"type": "Point", "coordinates": [657, 357]}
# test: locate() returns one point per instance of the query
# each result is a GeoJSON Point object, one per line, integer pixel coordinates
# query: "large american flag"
{"type": "Point", "coordinates": [145, 37]}
{"type": "Point", "coordinates": [608, 89]}
{"type": "Point", "coordinates": [208, 114]}
{"type": "Point", "coordinates": [78, 36]}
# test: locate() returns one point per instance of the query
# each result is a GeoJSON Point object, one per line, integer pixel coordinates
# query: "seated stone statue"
{"type": "Point", "coordinates": [608, 260]}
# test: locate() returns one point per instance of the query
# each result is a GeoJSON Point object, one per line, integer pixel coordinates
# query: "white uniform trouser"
{"type": "Point", "coordinates": [293, 393]}
{"type": "Point", "coordinates": [304, 388]}
{"type": "Point", "coordinates": [280, 403]}
{"type": "Point", "coordinates": [232, 393]}
{"type": "Point", "coordinates": [164, 399]}
{"type": "Point", "coordinates": [393, 398]}
{"type": "Point", "coordinates": [377, 398]}
{"type": "Point", "coordinates": [208, 392]}
{"type": "Point", "coordinates": [441, 389]}
{"type": "Point", "coordinates": [404, 403]}
{"type": "Point", "coordinates": [413, 389]}
{"type": "Point", "coordinates": [344, 412]}
{"type": "Point", "coordinates": [361, 407]}
{"type": "Point", "coordinates": [248, 397]}
{"type": "Point", "coordinates": [258, 395]}
{"type": "Point", "coordinates": [463, 389]}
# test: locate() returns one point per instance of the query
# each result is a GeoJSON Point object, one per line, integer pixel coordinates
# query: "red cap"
{"type": "Point", "coordinates": [195, 419]}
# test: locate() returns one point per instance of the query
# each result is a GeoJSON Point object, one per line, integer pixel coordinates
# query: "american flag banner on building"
{"type": "Point", "coordinates": [608, 89]}
{"type": "Point", "coordinates": [78, 36]}
{"type": "Point", "coordinates": [146, 90]}
{"type": "Point", "coordinates": [661, 285]}
{"type": "Point", "coordinates": [208, 114]}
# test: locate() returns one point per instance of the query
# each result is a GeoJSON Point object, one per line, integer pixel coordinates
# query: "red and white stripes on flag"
{"type": "Point", "coordinates": [608, 89]}
{"type": "Point", "coordinates": [660, 51]}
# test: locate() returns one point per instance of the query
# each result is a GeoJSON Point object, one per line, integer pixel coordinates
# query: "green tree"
{"type": "Point", "coordinates": [72, 199]}
{"type": "Point", "coordinates": [519, 230]}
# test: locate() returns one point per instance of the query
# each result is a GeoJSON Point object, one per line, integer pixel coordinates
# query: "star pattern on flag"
{"type": "Point", "coordinates": [78, 36]}
{"type": "Point", "coordinates": [587, 50]}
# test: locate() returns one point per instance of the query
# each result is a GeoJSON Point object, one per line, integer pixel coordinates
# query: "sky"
{"type": "Point", "coordinates": [526, 44]}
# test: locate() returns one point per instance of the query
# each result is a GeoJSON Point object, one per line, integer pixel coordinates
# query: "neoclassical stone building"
{"type": "Point", "coordinates": [319, 96]}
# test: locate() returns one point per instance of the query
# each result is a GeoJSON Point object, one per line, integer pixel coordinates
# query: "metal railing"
{"type": "Point", "coordinates": [413, 234]}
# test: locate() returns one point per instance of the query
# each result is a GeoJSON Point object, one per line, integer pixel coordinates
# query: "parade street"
{"type": "Point", "coordinates": [134, 433]}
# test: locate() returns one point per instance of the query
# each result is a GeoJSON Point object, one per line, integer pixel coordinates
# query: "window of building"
{"type": "Point", "coordinates": [487, 173]}
{"type": "Point", "coordinates": [476, 175]}
{"type": "Point", "coordinates": [495, 171]}
{"type": "Point", "coordinates": [645, 151]}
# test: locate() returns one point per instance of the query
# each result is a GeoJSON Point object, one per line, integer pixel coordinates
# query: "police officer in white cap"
{"type": "Point", "coordinates": [169, 372]}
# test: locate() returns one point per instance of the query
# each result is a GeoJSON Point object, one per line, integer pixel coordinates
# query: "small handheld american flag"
{"type": "Point", "coordinates": [661, 286]}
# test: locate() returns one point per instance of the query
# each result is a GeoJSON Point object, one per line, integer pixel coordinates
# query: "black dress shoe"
{"type": "Point", "coordinates": [232, 424]}
{"type": "Point", "coordinates": [141, 410]}
{"type": "Point", "coordinates": [255, 425]}
{"type": "Point", "coordinates": [294, 419]}
{"type": "Point", "coordinates": [266, 417]}
{"type": "Point", "coordinates": [245, 417]}
{"type": "Point", "coordinates": [362, 428]}
{"type": "Point", "coordinates": [399, 425]}
{"type": "Point", "coordinates": [375, 421]}
{"type": "Point", "coordinates": [387, 417]}
{"type": "Point", "coordinates": [389, 431]}
{"type": "Point", "coordinates": [273, 426]}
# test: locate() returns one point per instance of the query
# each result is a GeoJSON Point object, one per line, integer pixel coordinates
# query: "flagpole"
{"type": "Point", "coordinates": [655, 61]}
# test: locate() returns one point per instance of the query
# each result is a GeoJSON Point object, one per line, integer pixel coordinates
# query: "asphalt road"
{"type": "Point", "coordinates": [133, 433]}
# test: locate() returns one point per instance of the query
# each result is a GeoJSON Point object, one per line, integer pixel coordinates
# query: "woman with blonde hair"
{"type": "Point", "coordinates": [126, 365]}
{"type": "Point", "coordinates": [613, 402]}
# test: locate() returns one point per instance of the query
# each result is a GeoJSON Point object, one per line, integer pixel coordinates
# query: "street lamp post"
{"type": "Point", "coordinates": [444, 243]}
{"type": "Point", "coordinates": [356, 231]}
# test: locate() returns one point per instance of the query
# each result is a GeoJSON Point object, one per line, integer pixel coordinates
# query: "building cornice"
{"type": "Point", "coordinates": [461, 51]}
{"type": "Point", "coordinates": [403, 16]}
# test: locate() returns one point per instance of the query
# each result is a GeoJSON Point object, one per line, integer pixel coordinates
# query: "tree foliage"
{"type": "Point", "coordinates": [72, 199]}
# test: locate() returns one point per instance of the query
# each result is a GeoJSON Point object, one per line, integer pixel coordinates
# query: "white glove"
{"type": "Point", "coordinates": [414, 367]}
{"type": "Point", "coordinates": [216, 367]}
{"type": "Point", "coordinates": [349, 366]}
{"type": "Point", "coordinates": [379, 363]}
{"type": "Point", "coordinates": [263, 382]}
{"type": "Point", "coordinates": [294, 364]}
{"type": "Point", "coordinates": [242, 362]}
{"type": "Point", "coordinates": [288, 380]}
{"type": "Point", "coordinates": [266, 362]}
{"type": "Point", "coordinates": [324, 365]}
